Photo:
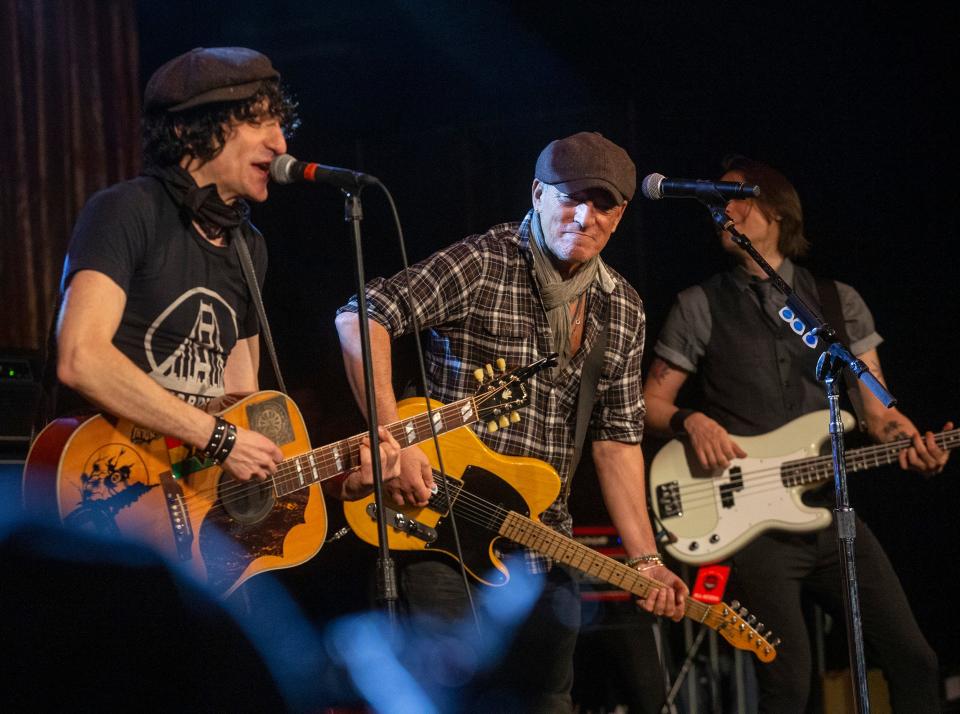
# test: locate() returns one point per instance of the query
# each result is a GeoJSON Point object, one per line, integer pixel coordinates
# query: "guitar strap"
{"type": "Point", "coordinates": [833, 314]}
{"type": "Point", "coordinates": [589, 377]}
{"type": "Point", "coordinates": [238, 239]}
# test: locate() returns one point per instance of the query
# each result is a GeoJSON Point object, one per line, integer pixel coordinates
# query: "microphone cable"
{"type": "Point", "coordinates": [451, 511]}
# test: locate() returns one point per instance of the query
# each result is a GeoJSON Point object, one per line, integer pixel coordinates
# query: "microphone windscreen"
{"type": "Point", "coordinates": [651, 186]}
{"type": "Point", "coordinates": [281, 169]}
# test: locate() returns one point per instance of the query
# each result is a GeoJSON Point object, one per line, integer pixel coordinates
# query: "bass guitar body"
{"type": "Point", "coordinates": [112, 477]}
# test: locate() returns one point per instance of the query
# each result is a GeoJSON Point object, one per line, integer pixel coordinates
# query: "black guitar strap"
{"type": "Point", "coordinates": [833, 315]}
{"type": "Point", "coordinates": [589, 377]}
{"type": "Point", "coordinates": [238, 239]}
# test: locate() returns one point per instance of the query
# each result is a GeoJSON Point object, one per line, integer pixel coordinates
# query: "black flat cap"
{"type": "Point", "coordinates": [588, 160]}
{"type": "Point", "coordinates": [205, 75]}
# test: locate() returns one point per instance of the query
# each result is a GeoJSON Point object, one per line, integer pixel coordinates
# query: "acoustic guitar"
{"type": "Point", "coordinates": [113, 477]}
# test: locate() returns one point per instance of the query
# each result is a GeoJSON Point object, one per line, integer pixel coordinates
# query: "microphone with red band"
{"type": "Point", "coordinates": [285, 169]}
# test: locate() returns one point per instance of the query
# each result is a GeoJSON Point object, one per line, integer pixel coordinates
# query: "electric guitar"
{"type": "Point", "coordinates": [493, 497]}
{"type": "Point", "coordinates": [111, 476]}
{"type": "Point", "coordinates": [715, 513]}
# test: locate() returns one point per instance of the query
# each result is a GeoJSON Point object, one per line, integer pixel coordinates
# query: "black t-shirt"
{"type": "Point", "coordinates": [187, 300]}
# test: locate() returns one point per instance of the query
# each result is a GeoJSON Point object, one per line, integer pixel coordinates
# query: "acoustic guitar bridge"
{"type": "Point", "coordinates": [404, 524]}
{"type": "Point", "coordinates": [179, 515]}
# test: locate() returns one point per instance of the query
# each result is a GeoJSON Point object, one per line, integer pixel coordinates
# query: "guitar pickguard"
{"type": "Point", "coordinates": [475, 542]}
{"type": "Point", "coordinates": [254, 521]}
{"type": "Point", "coordinates": [226, 558]}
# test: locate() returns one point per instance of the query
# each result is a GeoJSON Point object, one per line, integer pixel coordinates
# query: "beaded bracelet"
{"type": "Point", "coordinates": [649, 560]}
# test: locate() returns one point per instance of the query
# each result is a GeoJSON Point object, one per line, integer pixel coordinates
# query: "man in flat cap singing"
{"type": "Point", "coordinates": [157, 322]}
{"type": "Point", "coordinates": [522, 291]}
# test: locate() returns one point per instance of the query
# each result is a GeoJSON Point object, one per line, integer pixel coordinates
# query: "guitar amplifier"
{"type": "Point", "coordinates": [19, 395]}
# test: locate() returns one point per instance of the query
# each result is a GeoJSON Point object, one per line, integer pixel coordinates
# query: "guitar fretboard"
{"type": "Point", "coordinates": [820, 468]}
{"type": "Point", "coordinates": [341, 456]}
{"type": "Point", "coordinates": [546, 541]}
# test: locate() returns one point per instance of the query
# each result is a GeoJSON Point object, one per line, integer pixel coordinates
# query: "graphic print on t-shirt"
{"type": "Point", "coordinates": [188, 343]}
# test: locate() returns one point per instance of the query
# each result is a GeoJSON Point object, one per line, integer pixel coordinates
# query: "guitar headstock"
{"type": "Point", "coordinates": [736, 625]}
{"type": "Point", "coordinates": [500, 395]}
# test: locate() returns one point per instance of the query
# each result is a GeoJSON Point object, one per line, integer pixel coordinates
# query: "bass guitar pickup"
{"type": "Point", "coordinates": [669, 503]}
{"type": "Point", "coordinates": [403, 523]}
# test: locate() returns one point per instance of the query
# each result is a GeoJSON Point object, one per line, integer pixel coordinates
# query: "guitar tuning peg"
{"type": "Point", "coordinates": [478, 375]}
{"type": "Point", "coordinates": [776, 643]}
{"type": "Point", "coordinates": [501, 364]}
{"type": "Point", "coordinates": [759, 627]}
{"type": "Point", "coordinates": [514, 418]}
{"type": "Point", "coordinates": [489, 368]}
{"type": "Point", "coordinates": [735, 604]}
{"type": "Point", "coordinates": [492, 426]}
{"type": "Point", "coordinates": [767, 635]}
{"type": "Point", "coordinates": [744, 612]}
{"type": "Point", "coordinates": [503, 421]}
{"type": "Point", "coordinates": [751, 620]}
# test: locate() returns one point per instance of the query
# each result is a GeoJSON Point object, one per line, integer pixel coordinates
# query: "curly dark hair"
{"type": "Point", "coordinates": [200, 132]}
{"type": "Point", "coordinates": [778, 201]}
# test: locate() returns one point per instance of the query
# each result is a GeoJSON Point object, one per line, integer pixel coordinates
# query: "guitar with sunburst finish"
{"type": "Point", "coordinates": [113, 477]}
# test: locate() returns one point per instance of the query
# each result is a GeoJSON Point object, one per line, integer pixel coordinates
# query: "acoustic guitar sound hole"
{"type": "Point", "coordinates": [247, 503]}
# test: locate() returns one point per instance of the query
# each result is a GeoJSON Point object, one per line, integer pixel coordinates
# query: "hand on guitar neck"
{"type": "Point", "coordinates": [359, 482]}
{"type": "Point", "coordinates": [925, 455]}
{"type": "Point", "coordinates": [716, 449]}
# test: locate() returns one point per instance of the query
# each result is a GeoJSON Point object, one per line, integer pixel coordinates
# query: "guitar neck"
{"type": "Point", "coordinates": [341, 456]}
{"type": "Point", "coordinates": [820, 468]}
{"type": "Point", "coordinates": [546, 541]}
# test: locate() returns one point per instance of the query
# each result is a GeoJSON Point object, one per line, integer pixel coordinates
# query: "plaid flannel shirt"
{"type": "Point", "coordinates": [478, 300]}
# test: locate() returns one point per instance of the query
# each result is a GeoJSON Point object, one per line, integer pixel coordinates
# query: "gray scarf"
{"type": "Point", "coordinates": [558, 293]}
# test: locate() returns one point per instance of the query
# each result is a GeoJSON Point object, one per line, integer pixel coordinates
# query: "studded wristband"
{"type": "Point", "coordinates": [216, 438]}
{"type": "Point", "coordinates": [229, 441]}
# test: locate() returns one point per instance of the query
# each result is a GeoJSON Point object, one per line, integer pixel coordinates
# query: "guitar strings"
{"type": "Point", "coordinates": [767, 480]}
{"type": "Point", "coordinates": [287, 472]}
{"type": "Point", "coordinates": [489, 515]}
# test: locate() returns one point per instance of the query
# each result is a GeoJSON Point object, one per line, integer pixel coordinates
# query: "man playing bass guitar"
{"type": "Point", "coordinates": [756, 375]}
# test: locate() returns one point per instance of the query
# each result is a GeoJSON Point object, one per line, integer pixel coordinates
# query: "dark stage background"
{"type": "Point", "coordinates": [449, 104]}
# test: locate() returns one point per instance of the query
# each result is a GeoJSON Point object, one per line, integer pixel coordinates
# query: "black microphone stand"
{"type": "Point", "coordinates": [829, 368]}
{"type": "Point", "coordinates": [386, 572]}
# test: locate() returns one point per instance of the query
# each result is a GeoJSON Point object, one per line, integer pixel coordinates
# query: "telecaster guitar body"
{"type": "Point", "coordinates": [517, 483]}
{"type": "Point", "coordinates": [498, 497]}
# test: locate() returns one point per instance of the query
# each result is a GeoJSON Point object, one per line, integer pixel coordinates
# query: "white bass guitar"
{"type": "Point", "coordinates": [715, 513]}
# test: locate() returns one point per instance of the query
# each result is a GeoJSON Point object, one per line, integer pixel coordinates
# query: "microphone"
{"type": "Point", "coordinates": [286, 169]}
{"type": "Point", "coordinates": [657, 186]}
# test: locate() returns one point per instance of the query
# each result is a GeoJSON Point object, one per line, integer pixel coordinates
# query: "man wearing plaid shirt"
{"type": "Point", "coordinates": [522, 291]}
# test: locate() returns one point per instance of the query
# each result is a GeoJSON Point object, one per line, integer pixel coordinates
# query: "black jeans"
{"type": "Point", "coordinates": [536, 671]}
{"type": "Point", "coordinates": [776, 570]}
